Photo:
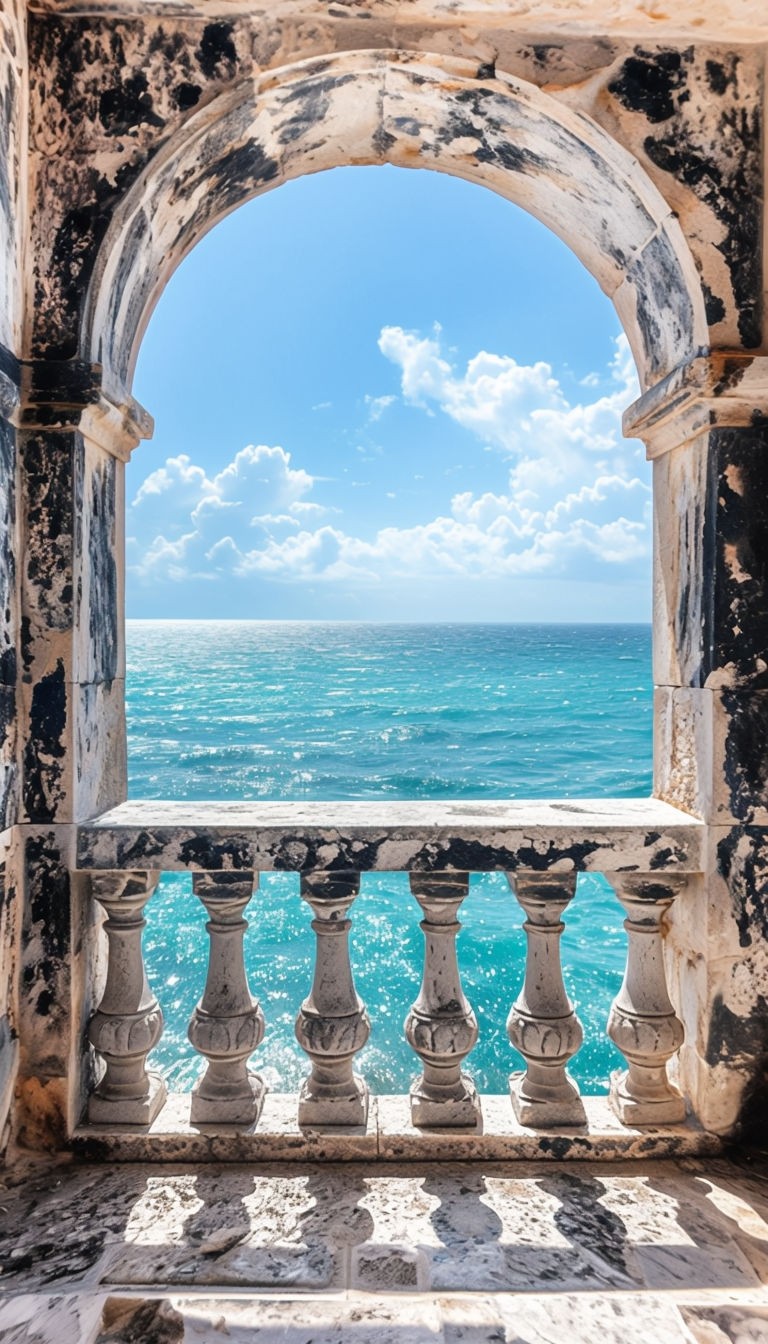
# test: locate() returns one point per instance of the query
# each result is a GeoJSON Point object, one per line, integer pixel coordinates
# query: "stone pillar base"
{"type": "Point", "coordinates": [349, 1107]}
{"type": "Point", "coordinates": [668, 1110]}
{"type": "Point", "coordinates": [546, 1112]}
{"type": "Point", "coordinates": [131, 1110]}
{"type": "Point", "coordinates": [242, 1109]}
{"type": "Point", "coordinates": [449, 1112]}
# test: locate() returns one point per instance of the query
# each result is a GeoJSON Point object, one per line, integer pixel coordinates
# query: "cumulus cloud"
{"type": "Point", "coordinates": [576, 502]}
{"type": "Point", "coordinates": [378, 405]}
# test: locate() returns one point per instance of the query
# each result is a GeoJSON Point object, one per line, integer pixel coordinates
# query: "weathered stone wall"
{"type": "Point", "coordinates": [13, 155]}
{"type": "Point", "coordinates": [112, 95]}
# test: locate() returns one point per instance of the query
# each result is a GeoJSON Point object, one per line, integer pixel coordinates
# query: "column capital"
{"type": "Point", "coordinates": [718, 389]}
{"type": "Point", "coordinates": [68, 394]}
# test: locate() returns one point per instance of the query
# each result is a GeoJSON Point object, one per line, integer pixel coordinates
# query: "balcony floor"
{"type": "Point", "coordinates": [452, 1253]}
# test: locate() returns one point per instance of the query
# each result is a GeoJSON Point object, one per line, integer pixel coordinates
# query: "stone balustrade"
{"type": "Point", "coordinates": [648, 851]}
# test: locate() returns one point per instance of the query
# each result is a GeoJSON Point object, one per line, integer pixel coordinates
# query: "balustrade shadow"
{"type": "Point", "coordinates": [442, 1228]}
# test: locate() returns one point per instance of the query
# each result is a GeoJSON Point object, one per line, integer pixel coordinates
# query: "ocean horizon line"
{"type": "Point", "coordinates": [355, 620]}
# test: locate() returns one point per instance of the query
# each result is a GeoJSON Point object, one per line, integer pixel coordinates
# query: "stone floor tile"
{"type": "Point", "coordinates": [398, 1320]}
{"type": "Point", "coordinates": [389, 1268]}
{"type": "Point", "coordinates": [675, 1236]}
{"type": "Point", "coordinates": [312, 1266]}
{"type": "Point", "coordinates": [584, 1318]}
{"type": "Point", "coordinates": [727, 1325]}
{"type": "Point", "coordinates": [41, 1319]}
{"type": "Point", "coordinates": [472, 1320]}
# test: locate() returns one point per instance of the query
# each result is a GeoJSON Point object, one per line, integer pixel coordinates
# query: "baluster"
{"type": "Point", "coordinates": [332, 1025]}
{"type": "Point", "coordinates": [227, 1024]}
{"type": "Point", "coordinates": [441, 1026]}
{"type": "Point", "coordinates": [128, 1022]}
{"type": "Point", "coordinates": [542, 1024]}
{"type": "Point", "coordinates": [642, 1021]}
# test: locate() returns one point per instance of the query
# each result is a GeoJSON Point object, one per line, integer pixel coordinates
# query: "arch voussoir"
{"type": "Point", "coordinates": [410, 110]}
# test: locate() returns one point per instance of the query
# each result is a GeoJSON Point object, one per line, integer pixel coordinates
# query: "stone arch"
{"type": "Point", "coordinates": [409, 110]}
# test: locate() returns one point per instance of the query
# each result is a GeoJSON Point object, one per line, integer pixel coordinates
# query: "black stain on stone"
{"type": "Point", "coordinates": [45, 748]}
{"type": "Point", "coordinates": [102, 606]}
{"type": "Point", "coordinates": [408, 125]}
{"type": "Point", "coordinates": [745, 764]}
{"type": "Point", "coordinates": [734, 201]}
{"type": "Point", "coordinates": [208, 853]}
{"type": "Point", "coordinates": [47, 923]}
{"type": "Point", "coordinates": [735, 1040]}
{"type": "Point", "coordinates": [719, 78]}
{"type": "Point", "coordinates": [664, 858]}
{"type": "Point", "coordinates": [653, 83]}
{"type": "Point", "coordinates": [742, 861]}
{"type": "Point", "coordinates": [128, 105]}
{"type": "Point", "coordinates": [186, 96]}
{"type": "Point", "coordinates": [557, 1146]}
{"type": "Point", "coordinates": [713, 305]}
{"type": "Point", "coordinates": [238, 173]}
{"type": "Point", "coordinates": [718, 158]}
{"type": "Point", "coordinates": [663, 303]}
{"type": "Point", "coordinates": [738, 508]}
{"type": "Point", "coordinates": [217, 54]}
{"type": "Point", "coordinates": [73, 253]}
{"type": "Point", "coordinates": [310, 102]}
{"type": "Point", "coordinates": [52, 503]}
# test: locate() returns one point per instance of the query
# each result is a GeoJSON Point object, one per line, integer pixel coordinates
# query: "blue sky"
{"type": "Point", "coordinates": [389, 395]}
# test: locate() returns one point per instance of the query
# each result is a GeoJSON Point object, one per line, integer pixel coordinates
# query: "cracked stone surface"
{"type": "Point", "coordinates": [517, 1253]}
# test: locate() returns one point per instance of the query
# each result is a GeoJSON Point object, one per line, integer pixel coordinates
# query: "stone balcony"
{"type": "Point", "coordinates": [648, 851]}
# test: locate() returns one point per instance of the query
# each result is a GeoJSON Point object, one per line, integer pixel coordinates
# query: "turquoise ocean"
{"type": "Point", "coordinates": [293, 710]}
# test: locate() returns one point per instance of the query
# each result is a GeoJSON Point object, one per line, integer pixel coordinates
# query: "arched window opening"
{"type": "Point", "coordinates": [388, 405]}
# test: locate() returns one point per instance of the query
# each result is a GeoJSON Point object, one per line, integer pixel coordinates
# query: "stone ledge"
{"type": "Point", "coordinates": [724, 389]}
{"type": "Point", "coordinates": [388, 1137]}
{"type": "Point", "coordinates": [579, 835]}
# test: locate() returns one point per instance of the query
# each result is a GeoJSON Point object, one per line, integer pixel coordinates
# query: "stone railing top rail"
{"type": "Point", "coordinates": [622, 835]}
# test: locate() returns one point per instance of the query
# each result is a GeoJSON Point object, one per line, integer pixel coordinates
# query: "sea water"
{"type": "Point", "coordinates": [294, 710]}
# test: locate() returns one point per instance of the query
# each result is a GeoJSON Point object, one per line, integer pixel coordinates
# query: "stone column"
{"type": "Point", "coordinates": [642, 1022]}
{"type": "Point", "coordinates": [706, 428]}
{"type": "Point", "coordinates": [128, 1022]}
{"type": "Point", "coordinates": [73, 444]}
{"type": "Point", "coordinates": [542, 1024]}
{"type": "Point", "coordinates": [10, 630]}
{"type": "Point", "coordinates": [227, 1024]}
{"type": "Point", "coordinates": [441, 1026]}
{"type": "Point", "coordinates": [332, 1025]}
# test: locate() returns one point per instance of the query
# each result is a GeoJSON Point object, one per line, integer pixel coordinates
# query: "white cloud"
{"type": "Point", "coordinates": [378, 405]}
{"type": "Point", "coordinates": [575, 503]}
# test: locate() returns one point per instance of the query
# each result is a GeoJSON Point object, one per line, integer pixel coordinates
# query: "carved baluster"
{"type": "Point", "coordinates": [227, 1024]}
{"type": "Point", "coordinates": [332, 1025]}
{"type": "Point", "coordinates": [441, 1026]}
{"type": "Point", "coordinates": [542, 1024]}
{"type": "Point", "coordinates": [128, 1022]}
{"type": "Point", "coordinates": [642, 1021]}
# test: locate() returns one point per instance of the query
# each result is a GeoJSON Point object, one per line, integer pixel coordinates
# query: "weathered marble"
{"type": "Point", "coordinates": [227, 1024]}
{"type": "Point", "coordinates": [585, 836]}
{"type": "Point", "coordinates": [332, 1026]}
{"type": "Point", "coordinates": [542, 1024]}
{"type": "Point", "coordinates": [441, 1026]}
{"type": "Point", "coordinates": [446, 1251]}
{"type": "Point", "coordinates": [128, 1022]}
{"type": "Point", "coordinates": [642, 1022]}
{"type": "Point", "coordinates": [458, 115]}
{"type": "Point", "coordinates": [388, 1134]}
